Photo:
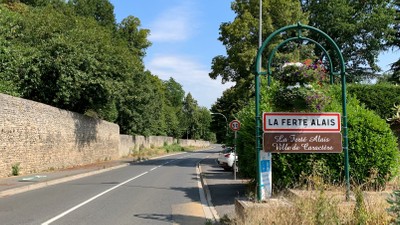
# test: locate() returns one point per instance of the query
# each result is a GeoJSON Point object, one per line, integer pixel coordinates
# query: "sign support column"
{"type": "Point", "coordinates": [235, 127]}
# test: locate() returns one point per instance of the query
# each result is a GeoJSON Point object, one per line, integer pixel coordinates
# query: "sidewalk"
{"type": "Point", "coordinates": [220, 187]}
{"type": "Point", "coordinates": [19, 184]}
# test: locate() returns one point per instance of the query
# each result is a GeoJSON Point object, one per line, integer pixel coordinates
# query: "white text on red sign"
{"type": "Point", "coordinates": [329, 122]}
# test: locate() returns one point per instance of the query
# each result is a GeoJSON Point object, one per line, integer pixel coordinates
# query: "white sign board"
{"type": "Point", "coordinates": [301, 122]}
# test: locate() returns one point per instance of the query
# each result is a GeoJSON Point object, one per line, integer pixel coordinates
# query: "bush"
{"type": "Point", "coordinates": [246, 136]}
{"type": "Point", "coordinates": [15, 169]}
{"type": "Point", "coordinates": [173, 148]}
{"type": "Point", "coordinates": [394, 208]}
{"type": "Point", "coordinates": [379, 97]}
{"type": "Point", "coordinates": [373, 152]}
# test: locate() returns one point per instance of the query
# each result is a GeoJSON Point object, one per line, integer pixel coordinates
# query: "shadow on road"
{"type": "Point", "coordinates": [176, 219]}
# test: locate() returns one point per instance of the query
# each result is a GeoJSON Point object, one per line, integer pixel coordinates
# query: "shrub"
{"type": "Point", "coordinates": [379, 97]}
{"type": "Point", "coordinates": [246, 136]}
{"type": "Point", "coordinates": [394, 208]}
{"type": "Point", "coordinates": [373, 152]}
{"type": "Point", "coordinates": [173, 148]}
{"type": "Point", "coordinates": [15, 169]}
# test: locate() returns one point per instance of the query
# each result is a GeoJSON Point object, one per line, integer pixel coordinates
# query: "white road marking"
{"type": "Point", "coordinates": [99, 195]}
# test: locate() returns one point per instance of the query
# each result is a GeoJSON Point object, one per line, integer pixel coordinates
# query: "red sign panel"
{"type": "Point", "coordinates": [234, 125]}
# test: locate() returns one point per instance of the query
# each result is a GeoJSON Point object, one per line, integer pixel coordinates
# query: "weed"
{"type": "Point", "coordinates": [394, 208]}
{"type": "Point", "coordinates": [15, 169]}
{"type": "Point", "coordinates": [225, 220]}
{"type": "Point", "coordinates": [208, 222]}
{"type": "Point", "coordinates": [360, 212]}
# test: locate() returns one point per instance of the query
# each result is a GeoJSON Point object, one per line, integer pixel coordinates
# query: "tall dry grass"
{"type": "Point", "coordinates": [321, 204]}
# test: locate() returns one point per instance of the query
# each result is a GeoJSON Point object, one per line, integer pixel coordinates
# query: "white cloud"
{"type": "Point", "coordinates": [175, 24]}
{"type": "Point", "coordinates": [191, 75]}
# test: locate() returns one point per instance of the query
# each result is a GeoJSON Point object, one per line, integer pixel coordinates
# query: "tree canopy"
{"type": "Point", "coordinates": [362, 30]}
{"type": "Point", "coordinates": [75, 56]}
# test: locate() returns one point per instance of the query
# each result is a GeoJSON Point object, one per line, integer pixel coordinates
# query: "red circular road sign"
{"type": "Point", "coordinates": [234, 125]}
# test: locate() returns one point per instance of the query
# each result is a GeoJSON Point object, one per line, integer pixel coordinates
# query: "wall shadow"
{"type": "Point", "coordinates": [85, 129]}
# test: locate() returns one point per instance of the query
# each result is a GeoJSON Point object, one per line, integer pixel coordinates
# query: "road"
{"type": "Point", "coordinates": [158, 191]}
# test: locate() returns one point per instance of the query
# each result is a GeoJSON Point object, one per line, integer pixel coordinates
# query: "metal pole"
{"type": "Point", "coordinates": [226, 120]}
{"type": "Point", "coordinates": [234, 162]}
{"type": "Point", "coordinates": [257, 99]}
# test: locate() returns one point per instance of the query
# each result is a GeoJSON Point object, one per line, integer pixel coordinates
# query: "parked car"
{"type": "Point", "coordinates": [226, 158]}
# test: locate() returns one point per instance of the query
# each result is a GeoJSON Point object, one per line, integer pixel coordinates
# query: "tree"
{"type": "Point", "coordinates": [189, 117]}
{"type": "Point", "coordinates": [100, 10]}
{"type": "Point", "coordinates": [362, 29]}
{"type": "Point", "coordinates": [174, 96]}
{"type": "Point", "coordinates": [203, 126]}
{"type": "Point", "coordinates": [174, 93]}
{"type": "Point", "coordinates": [240, 37]}
{"type": "Point", "coordinates": [136, 38]}
{"type": "Point", "coordinates": [81, 63]}
{"type": "Point", "coordinates": [395, 68]}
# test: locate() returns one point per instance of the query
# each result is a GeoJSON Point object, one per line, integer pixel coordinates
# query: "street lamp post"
{"type": "Point", "coordinates": [226, 120]}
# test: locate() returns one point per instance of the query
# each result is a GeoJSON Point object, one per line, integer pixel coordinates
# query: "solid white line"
{"type": "Point", "coordinates": [91, 199]}
{"type": "Point", "coordinates": [209, 210]}
{"type": "Point", "coordinates": [101, 194]}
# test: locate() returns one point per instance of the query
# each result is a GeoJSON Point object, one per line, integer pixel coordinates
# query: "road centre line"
{"type": "Point", "coordinates": [101, 194]}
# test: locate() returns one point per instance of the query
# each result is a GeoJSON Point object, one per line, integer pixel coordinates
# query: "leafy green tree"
{"type": "Point", "coordinates": [230, 103]}
{"type": "Point", "coordinates": [395, 68]}
{"type": "Point", "coordinates": [75, 60]}
{"type": "Point", "coordinates": [101, 10]}
{"type": "Point", "coordinates": [203, 119]}
{"type": "Point", "coordinates": [189, 118]}
{"type": "Point", "coordinates": [240, 37]}
{"type": "Point", "coordinates": [141, 106]}
{"type": "Point", "coordinates": [174, 96]}
{"type": "Point", "coordinates": [136, 38]}
{"type": "Point", "coordinates": [362, 29]}
{"type": "Point", "coordinates": [38, 3]}
{"type": "Point", "coordinates": [174, 93]}
{"type": "Point", "coordinates": [67, 62]}
{"type": "Point", "coordinates": [9, 56]}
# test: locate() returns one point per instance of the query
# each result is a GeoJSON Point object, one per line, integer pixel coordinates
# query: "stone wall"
{"type": "Point", "coordinates": [131, 144]}
{"type": "Point", "coordinates": [39, 137]}
{"type": "Point", "coordinates": [193, 143]}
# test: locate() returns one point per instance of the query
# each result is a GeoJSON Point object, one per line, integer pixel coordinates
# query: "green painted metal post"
{"type": "Point", "coordinates": [258, 135]}
{"type": "Point", "coordinates": [345, 137]}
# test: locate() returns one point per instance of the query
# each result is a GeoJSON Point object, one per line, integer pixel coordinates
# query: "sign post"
{"type": "Point", "coordinates": [298, 133]}
{"type": "Point", "coordinates": [335, 71]}
{"type": "Point", "coordinates": [235, 127]}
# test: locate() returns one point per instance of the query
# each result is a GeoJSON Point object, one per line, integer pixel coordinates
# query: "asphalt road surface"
{"type": "Point", "coordinates": [158, 191]}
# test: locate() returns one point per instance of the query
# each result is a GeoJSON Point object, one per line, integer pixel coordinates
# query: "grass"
{"type": "Point", "coordinates": [144, 154]}
{"type": "Point", "coordinates": [315, 208]}
{"type": "Point", "coordinates": [319, 204]}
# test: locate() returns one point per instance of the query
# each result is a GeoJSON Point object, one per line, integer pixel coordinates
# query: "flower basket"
{"type": "Point", "coordinates": [299, 88]}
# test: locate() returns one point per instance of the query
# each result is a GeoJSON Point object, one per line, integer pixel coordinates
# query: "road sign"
{"type": "Point", "coordinates": [301, 122]}
{"type": "Point", "coordinates": [303, 142]}
{"type": "Point", "coordinates": [234, 125]}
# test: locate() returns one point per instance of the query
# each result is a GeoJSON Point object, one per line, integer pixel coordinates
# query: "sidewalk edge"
{"type": "Point", "coordinates": [205, 196]}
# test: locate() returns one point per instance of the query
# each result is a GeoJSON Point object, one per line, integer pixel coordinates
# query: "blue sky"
{"type": "Point", "coordinates": [184, 37]}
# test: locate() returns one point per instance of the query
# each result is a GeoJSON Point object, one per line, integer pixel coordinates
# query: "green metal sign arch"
{"type": "Point", "coordinates": [342, 73]}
